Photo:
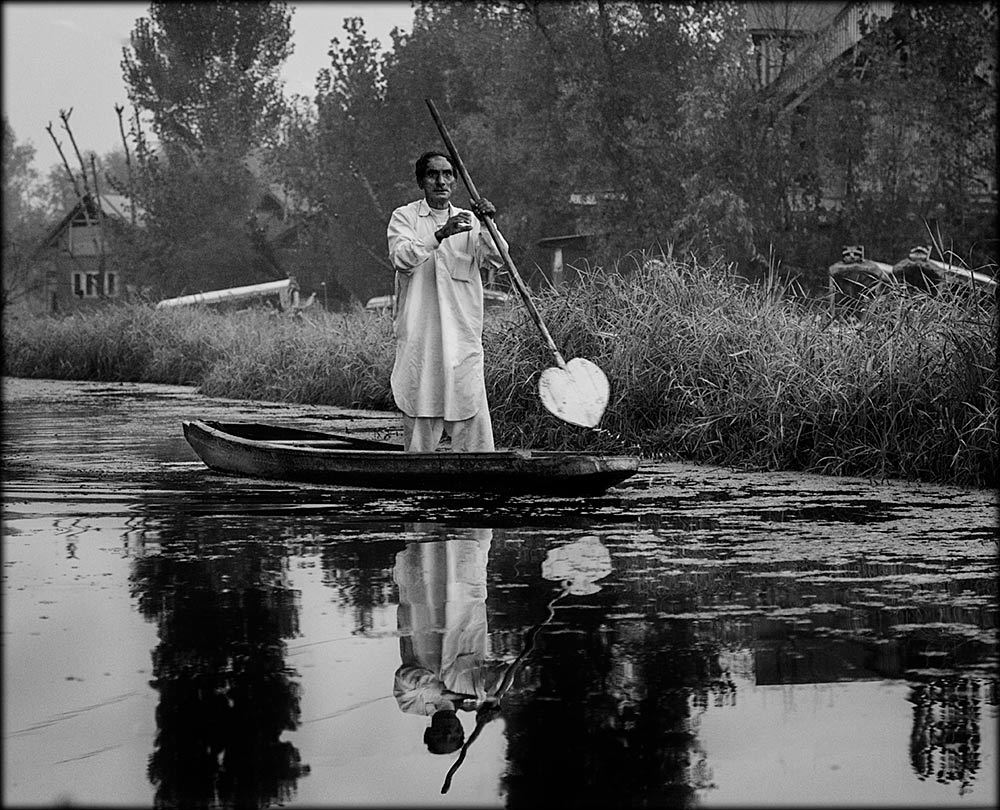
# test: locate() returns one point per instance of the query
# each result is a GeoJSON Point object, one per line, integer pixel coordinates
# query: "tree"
{"type": "Point", "coordinates": [538, 113]}
{"type": "Point", "coordinates": [905, 131]}
{"type": "Point", "coordinates": [23, 218]}
{"type": "Point", "coordinates": [208, 74]}
{"type": "Point", "coordinates": [657, 108]}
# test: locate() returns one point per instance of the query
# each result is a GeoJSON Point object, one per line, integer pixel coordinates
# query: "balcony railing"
{"type": "Point", "coordinates": [819, 51]}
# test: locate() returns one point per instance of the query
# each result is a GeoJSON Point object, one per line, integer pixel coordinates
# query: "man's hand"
{"type": "Point", "coordinates": [483, 208]}
{"type": "Point", "coordinates": [460, 223]}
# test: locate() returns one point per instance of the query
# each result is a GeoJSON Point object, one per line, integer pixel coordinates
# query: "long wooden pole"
{"type": "Point", "coordinates": [69, 171]}
{"type": "Point", "coordinates": [119, 109]}
{"type": "Point", "coordinates": [485, 715]}
{"type": "Point", "coordinates": [64, 115]}
{"type": "Point", "coordinates": [491, 226]}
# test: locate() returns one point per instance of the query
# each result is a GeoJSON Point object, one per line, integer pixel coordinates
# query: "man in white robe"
{"type": "Point", "coordinates": [439, 252]}
{"type": "Point", "coordinates": [443, 633]}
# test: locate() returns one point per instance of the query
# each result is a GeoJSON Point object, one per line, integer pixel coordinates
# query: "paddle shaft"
{"type": "Point", "coordinates": [482, 718]}
{"type": "Point", "coordinates": [491, 226]}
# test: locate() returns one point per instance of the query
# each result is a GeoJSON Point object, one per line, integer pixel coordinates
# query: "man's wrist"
{"type": "Point", "coordinates": [438, 235]}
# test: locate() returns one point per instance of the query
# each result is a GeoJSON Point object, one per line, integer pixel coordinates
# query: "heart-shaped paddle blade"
{"type": "Point", "coordinates": [577, 394]}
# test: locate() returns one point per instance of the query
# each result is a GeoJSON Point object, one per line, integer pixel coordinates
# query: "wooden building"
{"type": "Point", "coordinates": [81, 262]}
{"type": "Point", "coordinates": [78, 256]}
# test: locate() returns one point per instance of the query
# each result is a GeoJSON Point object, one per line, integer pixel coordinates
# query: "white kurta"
{"type": "Point", "coordinates": [442, 622]}
{"type": "Point", "coordinates": [439, 314]}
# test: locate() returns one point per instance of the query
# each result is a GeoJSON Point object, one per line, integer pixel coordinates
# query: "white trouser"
{"type": "Point", "coordinates": [422, 434]}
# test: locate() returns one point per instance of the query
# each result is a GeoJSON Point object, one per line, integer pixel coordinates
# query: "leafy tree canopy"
{"type": "Point", "coordinates": [24, 218]}
{"type": "Point", "coordinates": [208, 72]}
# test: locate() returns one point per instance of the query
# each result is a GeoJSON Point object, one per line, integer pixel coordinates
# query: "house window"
{"type": "Point", "coordinates": [85, 239]}
{"type": "Point", "coordinates": [88, 285]}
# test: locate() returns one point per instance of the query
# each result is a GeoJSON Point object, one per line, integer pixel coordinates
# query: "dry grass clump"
{"type": "Point", "coordinates": [247, 354]}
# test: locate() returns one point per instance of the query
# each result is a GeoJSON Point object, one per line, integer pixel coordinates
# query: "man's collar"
{"type": "Point", "coordinates": [424, 209]}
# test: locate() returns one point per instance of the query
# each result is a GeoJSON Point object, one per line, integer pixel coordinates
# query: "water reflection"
{"type": "Point", "coordinates": [602, 722]}
{"type": "Point", "coordinates": [443, 631]}
{"type": "Point", "coordinates": [655, 648]}
{"type": "Point", "coordinates": [945, 741]}
{"type": "Point", "coordinates": [223, 610]}
{"type": "Point", "coordinates": [576, 567]}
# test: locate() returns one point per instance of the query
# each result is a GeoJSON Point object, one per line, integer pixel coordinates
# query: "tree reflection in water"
{"type": "Point", "coordinates": [944, 744]}
{"type": "Point", "coordinates": [609, 721]}
{"type": "Point", "coordinates": [605, 709]}
{"type": "Point", "coordinates": [223, 608]}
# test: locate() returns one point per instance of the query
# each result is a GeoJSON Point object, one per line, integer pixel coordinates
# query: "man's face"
{"type": "Point", "coordinates": [438, 182]}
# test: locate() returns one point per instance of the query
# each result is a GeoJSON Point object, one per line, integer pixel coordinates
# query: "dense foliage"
{"type": "Point", "coordinates": [657, 111]}
{"type": "Point", "coordinates": [208, 73]}
{"type": "Point", "coordinates": [640, 124]}
{"type": "Point", "coordinates": [906, 133]}
{"type": "Point", "coordinates": [23, 219]}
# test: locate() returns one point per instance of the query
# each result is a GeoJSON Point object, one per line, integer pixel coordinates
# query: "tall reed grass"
{"type": "Point", "coordinates": [322, 358]}
{"type": "Point", "coordinates": [703, 366]}
{"type": "Point", "coordinates": [707, 367]}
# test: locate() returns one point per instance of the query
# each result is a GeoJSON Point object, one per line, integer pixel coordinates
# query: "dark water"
{"type": "Point", "coordinates": [699, 636]}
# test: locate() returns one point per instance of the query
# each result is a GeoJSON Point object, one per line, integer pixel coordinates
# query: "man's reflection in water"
{"type": "Point", "coordinates": [442, 623]}
{"type": "Point", "coordinates": [446, 666]}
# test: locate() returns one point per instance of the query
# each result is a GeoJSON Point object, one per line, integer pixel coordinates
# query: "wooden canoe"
{"type": "Point", "coordinates": [291, 454]}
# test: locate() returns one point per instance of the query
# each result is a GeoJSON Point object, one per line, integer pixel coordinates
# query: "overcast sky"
{"type": "Point", "coordinates": [68, 55]}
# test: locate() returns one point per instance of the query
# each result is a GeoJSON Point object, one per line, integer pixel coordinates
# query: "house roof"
{"type": "Point", "coordinates": [789, 16]}
{"type": "Point", "coordinates": [814, 58]}
{"type": "Point", "coordinates": [117, 206]}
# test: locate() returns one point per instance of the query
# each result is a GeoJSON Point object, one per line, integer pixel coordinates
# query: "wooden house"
{"type": "Point", "coordinates": [80, 261]}
{"type": "Point", "coordinates": [276, 222]}
{"type": "Point", "coordinates": [799, 45]}
{"type": "Point", "coordinates": [78, 256]}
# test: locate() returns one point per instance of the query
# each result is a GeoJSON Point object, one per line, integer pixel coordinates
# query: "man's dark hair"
{"type": "Point", "coordinates": [445, 733]}
{"type": "Point", "coordinates": [424, 159]}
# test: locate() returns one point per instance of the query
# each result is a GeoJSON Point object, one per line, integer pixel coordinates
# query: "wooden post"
{"type": "Point", "coordinates": [72, 177]}
{"type": "Point", "coordinates": [119, 109]}
{"type": "Point", "coordinates": [557, 267]}
{"type": "Point", "coordinates": [64, 115]}
{"type": "Point", "coordinates": [102, 258]}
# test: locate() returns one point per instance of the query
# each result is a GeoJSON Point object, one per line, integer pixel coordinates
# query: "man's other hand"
{"type": "Point", "coordinates": [483, 208]}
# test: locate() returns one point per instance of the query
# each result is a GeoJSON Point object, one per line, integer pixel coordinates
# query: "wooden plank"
{"type": "Point", "coordinates": [354, 443]}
